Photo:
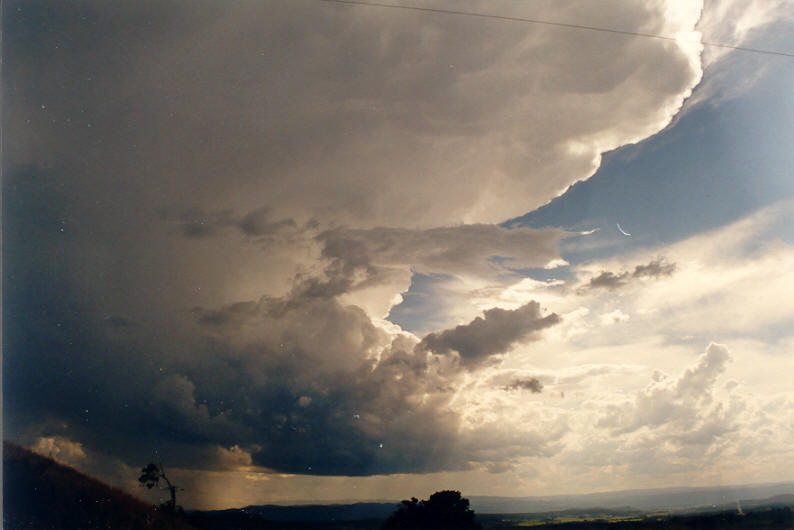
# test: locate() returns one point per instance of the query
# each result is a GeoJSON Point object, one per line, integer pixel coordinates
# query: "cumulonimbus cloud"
{"type": "Point", "coordinates": [358, 117]}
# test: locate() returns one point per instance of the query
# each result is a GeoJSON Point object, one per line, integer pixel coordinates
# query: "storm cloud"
{"type": "Point", "coordinates": [152, 148]}
{"type": "Point", "coordinates": [285, 379]}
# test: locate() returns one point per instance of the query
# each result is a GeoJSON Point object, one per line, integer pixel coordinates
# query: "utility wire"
{"type": "Point", "coordinates": [556, 24]}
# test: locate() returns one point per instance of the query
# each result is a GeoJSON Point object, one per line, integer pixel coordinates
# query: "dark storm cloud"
{"type": "Point", "coordinates": [298, 388]}
{"type": "Point", "coordinates": [532, 384]}
{"type": "Point", "coordinates": [300, 377]}
{"type": "Point", "coordinates": [611, 281]}
{"type": "Point", "coordinates": [69, 368]}
{"type": "Point", "coordinates": [304, 384]}
{"type": "Point", "coordinates": [300, 381]}
{"type": "Point", "coordinates": [492, 334]}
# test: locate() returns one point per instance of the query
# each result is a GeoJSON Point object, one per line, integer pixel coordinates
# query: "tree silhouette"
{"type": "Point", "coordinates": [444, 510]}
{"type": "Point", "coordinates": [150, 477]}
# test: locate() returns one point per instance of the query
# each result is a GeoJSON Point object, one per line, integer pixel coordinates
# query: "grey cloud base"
{"type": "Point", "coordinates": [311, 388]}
{"type": "Point", "coordinates": [302, 382]}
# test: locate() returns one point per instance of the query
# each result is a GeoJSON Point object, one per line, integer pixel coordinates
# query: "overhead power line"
{"type": "Point", "coordinates": [556, 24]}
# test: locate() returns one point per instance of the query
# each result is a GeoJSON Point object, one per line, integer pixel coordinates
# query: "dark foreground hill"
{"type": "Point", "coordinates": [39, 493]}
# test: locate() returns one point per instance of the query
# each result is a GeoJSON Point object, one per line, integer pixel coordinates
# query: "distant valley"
{"type": "Point", "coordinates": [40, 493]}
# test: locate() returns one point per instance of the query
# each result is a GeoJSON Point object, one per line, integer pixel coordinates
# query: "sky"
{"type": "Point", "coordinates": [312, 250]}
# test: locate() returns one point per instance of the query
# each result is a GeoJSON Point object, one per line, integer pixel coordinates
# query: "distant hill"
{"type": "Point", "coordinates": [767, 518]}
{"type": "Point", "coordinates": [668, 499]}
{"type": "Point", "coordinates": [761, 506]}
{"type": "Point", "coordinates": [332, 512]}
{"type": "Point", "coordinates": [39, 493]}
{"type": "Point", "coordinates": [767, 514]}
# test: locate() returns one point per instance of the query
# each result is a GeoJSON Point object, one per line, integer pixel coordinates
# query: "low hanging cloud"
{"type": "Point", "coordinates": [60, 449]}
{"type": "Point", "coordinates": [233, 458]}
{"type": "Point", "coordinates": [494, 333]}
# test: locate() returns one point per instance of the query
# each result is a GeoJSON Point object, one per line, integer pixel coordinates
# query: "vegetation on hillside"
{"type": "Point", "coordinates": [444, 510]}
{"type": "Point", "coordinates": [43, 494]}
{"type": "Point", "coordinates": [151, 476]}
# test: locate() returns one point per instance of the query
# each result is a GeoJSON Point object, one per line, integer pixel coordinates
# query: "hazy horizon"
{"type": "Point", "coordinates": [787, 486]}
{"type": "Point", "coordinates": [325, 250]}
